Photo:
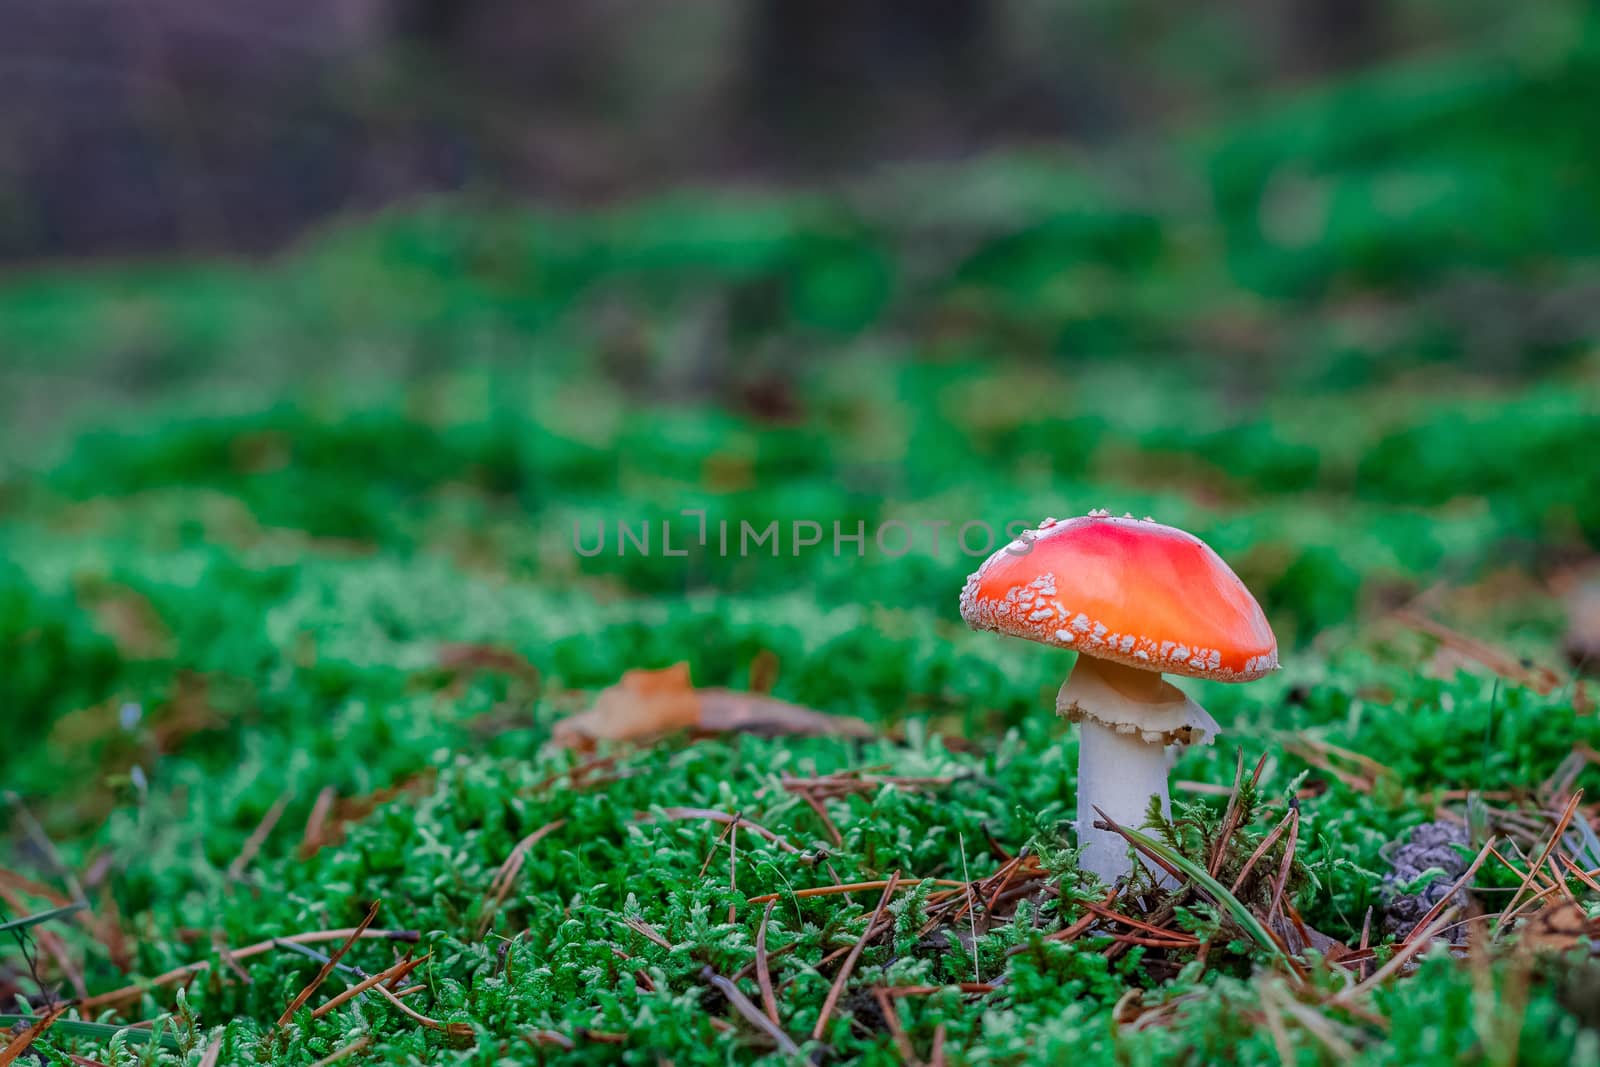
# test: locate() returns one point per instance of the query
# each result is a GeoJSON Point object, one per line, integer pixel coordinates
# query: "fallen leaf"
{"type": "Point", "coordinates": [1556, 927]}
{"type": "Point", "coordinates": [647, 704]}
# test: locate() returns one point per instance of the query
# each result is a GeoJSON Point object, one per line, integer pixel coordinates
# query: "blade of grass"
{"type": "Point", "coordinates": [1207, 884]}
{"type": "Point", "coordinates": [94, 1031]}
{"type": "Point", "coordinates": [40, 917]}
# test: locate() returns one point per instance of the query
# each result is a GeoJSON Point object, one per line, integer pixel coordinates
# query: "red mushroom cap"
{"type": "Point", "coordinates": [1129, 590]}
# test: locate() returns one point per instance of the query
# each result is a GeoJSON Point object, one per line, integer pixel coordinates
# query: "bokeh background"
{"type": "Point", "coordinates": [322, 325]}
{"type": "Point", "coordinates": [429, 287]}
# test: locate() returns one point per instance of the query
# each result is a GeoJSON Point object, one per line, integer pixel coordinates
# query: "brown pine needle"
{"type": "Point", "coordinates": [1139, 924]}
{"type": "Point", "coordinates": [712, 815]}
{"type": "Point", "coordinates": [327, 968]}
{"type": "Point", "coordinates": [399, 970]}
{"type": "Point", "coordinates": [189, 970]}
{"type": "Point", "coordinates": [822, 814]}
{"type": "Point", "coordinates": [1229, 816]}
{"type": "Point", "coordinates": [345, 1053]}
{"type": "Point", "coordinates": [1466, 876]}
{"type": "Point", "coordinates": [1152, 942]}
{"type": "Point", "coordinates": [891, 1019]}
{"type": "Point", "coordinates": [1364, 947]}
{"type": "Point", "coordinates": [726, 830]}
{"type": "Point", "coordinates": [1261, 850]}
{"type": "Point", "coordinates": [258, 836]}
{"type": "Point", "coordinates": [733, 868]}
{"type": "Point", "coordinates": [1077, 929]}
{"type": "Point", "coordinates": [1288, 863]}
{"type": "Point", "coordinates": [850, 961]}
{"type": "Point", "coordinates": [1538, 876]}
{"type": "Point", "coordinates": [317, 821]}
{"type": "Point", "coordinates": [540, 1038]}
{"type": "Point", "coordinates": [644, 929]}
{"type": "Point", "coordinates": [1316, 1024]}
{"type": "Point", "coordinates": [852, 887]}
{"type": "Point", "coordinates": [769, 1001]}
{"type": "Point", "coordinates": [1275, 1027]}
{"type": "Point", "coordinates": [1579, 873]}
{"type": "Point", "coordinates": [1408, 950]}
{"type": "Point", "coordinates": [506, 876]}
{"type": "Point", "coordinates": [460, 1031]}
{"type": "Point", "coordinates": [1533, 869]}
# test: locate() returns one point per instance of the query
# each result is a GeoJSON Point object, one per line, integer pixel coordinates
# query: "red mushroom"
{"type": "Point", "coordinates": [1134, 599]}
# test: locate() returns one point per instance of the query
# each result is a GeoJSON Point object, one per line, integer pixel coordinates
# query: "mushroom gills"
{"type": "Point", "coordinates": [1128, 718]}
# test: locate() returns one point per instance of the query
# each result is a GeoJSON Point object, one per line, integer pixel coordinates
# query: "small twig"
{"type": "Point", "coordinates": [750, 1012]}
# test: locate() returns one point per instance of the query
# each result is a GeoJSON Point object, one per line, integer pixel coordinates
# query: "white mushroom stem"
{"type": "Point", "coordinates": [1118, 773]}
{"type": "Point", "coordinates": [1128, 718]}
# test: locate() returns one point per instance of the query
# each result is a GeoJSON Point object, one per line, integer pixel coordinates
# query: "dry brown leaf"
{"type": "Point", "coordinates": [648, 704]}
{"type": "Point", "coordinates": [1558, 926]}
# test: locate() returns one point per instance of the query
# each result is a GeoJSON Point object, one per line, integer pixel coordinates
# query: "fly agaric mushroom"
{"type": "Point", "coordinates": [1134, 599]}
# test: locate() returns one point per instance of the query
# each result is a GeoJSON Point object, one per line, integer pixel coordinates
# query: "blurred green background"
{"type": "Point", "coordinates": [1327, 297]}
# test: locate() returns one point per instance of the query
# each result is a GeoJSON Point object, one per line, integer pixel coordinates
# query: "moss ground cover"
{"type": "Point", "coordinates": [290, 599]}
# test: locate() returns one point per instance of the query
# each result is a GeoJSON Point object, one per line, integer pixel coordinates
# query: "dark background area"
{"type": "Point", "coordinates": [138, 126]}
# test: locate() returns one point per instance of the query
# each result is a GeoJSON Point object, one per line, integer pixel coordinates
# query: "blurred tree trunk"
{"type": "Point", "coordinates": [830, 80]}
